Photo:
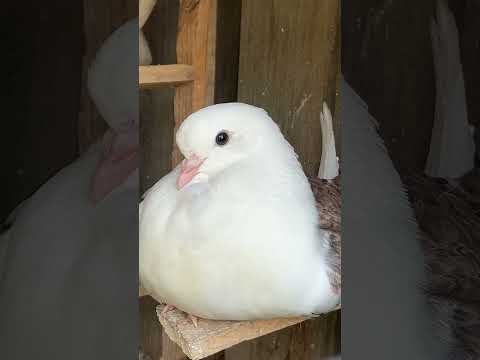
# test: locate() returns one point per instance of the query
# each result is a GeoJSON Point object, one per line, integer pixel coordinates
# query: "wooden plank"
{"type": "Point", "coordinates": [152, 76]}
{"type": "Point", "coordinates": [289, 62]}
{"type": "Point", "coordinates": [306, 340]}
{"type": "Point", "coordinates": [211, 336]}
{"type": "Point", "coordinates": [156, 127]}
{"type": "Point", "coordinates": [288, 65]}
{"type": "Point", "coordinates": [196, 46]}
{"type": "Point", "coordinates": [196, 34]}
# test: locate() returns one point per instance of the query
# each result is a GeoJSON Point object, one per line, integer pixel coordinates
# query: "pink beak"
{"type": "Point", "coordinates": [188, 170]}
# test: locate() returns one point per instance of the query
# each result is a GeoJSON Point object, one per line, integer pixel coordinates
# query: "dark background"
{"type": "Point", "coordinates": [43, 44]}
{"type": "Point", "coordinates": [387, 58]}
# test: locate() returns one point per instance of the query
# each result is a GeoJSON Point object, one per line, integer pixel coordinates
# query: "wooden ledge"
{"type": "Point", "coordinates": [212, 336]}
{"type": "Point", "coordinates": [152, 76]}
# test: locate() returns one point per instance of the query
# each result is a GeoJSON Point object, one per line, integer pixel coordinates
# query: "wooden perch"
{"type": "Point", "coordinates": [212, 336]}
{"type": "Point", "coordinates": [152, 76]}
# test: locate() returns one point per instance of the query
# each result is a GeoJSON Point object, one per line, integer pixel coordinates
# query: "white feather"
{"type": "Point", "coordinates": [328, 161]}
{"type": "Point", "coordinates": [452, 146]}
{"type": "Point", "coordinates": [243, 243]}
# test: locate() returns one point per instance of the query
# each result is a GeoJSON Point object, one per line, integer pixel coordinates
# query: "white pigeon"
{"type": "Point", "coordinates": [232, 232]}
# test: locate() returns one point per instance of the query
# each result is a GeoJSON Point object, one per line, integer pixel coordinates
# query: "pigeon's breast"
{"type": "Point", "coordinates": [232, 251]}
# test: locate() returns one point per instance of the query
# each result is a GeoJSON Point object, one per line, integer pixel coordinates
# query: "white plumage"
{"type": "Point", "coordinates": [240, 240]}
{"type": "Point", "coordinates": [329, 166]}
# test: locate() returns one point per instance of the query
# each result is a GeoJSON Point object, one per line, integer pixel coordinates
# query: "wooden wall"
{"type": "Point", "coordinates": [289, 57]}
{"type": "Point", "coordinates": [289, 62]}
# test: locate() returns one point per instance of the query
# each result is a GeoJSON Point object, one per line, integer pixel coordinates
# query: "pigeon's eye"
{"type": "Point", "coordinates": [221, 138]}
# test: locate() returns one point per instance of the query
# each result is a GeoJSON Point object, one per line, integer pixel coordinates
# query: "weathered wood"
{"type": "Point", "coordinates": [211, 337]}
{"type": "Point", "coordinates": [153, 76]}
{"type": "Point", "coordinates": [156, 128]}
{"type": "Point", "coordinates": [289, 54]}
{"type": "Point", "coordinates": [196, 47]}
{"type": "Point", "coordinates": [306, 340]}
{"type": "Point", "coordinates": [289, 62]}
{"type": "Point", "coordinates": [156, 106]}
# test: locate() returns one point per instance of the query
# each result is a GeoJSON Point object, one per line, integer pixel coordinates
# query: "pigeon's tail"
{"type": "Point", "coordinates": [452, 146]}
{"type": "Point", "coordinates": [329, 161]}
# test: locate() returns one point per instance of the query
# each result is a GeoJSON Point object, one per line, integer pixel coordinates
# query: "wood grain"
{"type": "Point", "coordinates": [193, 37]}
{"type": "Point", "coordinates": [156, 128]}
{"type": "Point", "coordinates": [289, 56]}
{"type": "Point", "coordinates": [153, 76]}
{"type": "Point", "coordinates": [211, 336]}
{"type": "Point", "coordinates": [195, 46]}
{"type": "Point", "coordinates": [289, 64]}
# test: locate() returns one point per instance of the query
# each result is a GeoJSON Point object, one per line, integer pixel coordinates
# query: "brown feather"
{"type": "Point", "coordinates": [328, 201]}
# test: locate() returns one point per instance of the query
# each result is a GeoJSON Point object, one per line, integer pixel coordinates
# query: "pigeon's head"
{"type": "Point", "coordinates": [220, 136]}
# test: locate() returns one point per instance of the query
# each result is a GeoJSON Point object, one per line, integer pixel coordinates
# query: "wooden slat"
{"type": "Point", "coordinates": [195, 45]}
{"type": "Point", "coordinates": [211, 337]}
{"type": "Point", "coordinates": [156, 127]}
{"type": "Point", "coordinates": [152, 76]}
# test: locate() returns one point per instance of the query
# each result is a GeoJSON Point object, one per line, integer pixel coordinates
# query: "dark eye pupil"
{"type": "Point", "coordinates": [222, 138]}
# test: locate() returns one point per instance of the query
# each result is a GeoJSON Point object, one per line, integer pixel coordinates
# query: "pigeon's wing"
{"type": "Point", "coordinates": [328, 202]}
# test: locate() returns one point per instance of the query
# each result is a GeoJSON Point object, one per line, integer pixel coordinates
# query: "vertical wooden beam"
{"type": "Point", "coordinates": [156, 126]}
{"type": "Point", "coordinates": [196, 36]}
{"type": "Point", "coordinates": [289, 64]}
{"type": "Point", "coordinates": [289, 55]}
{"type": "Point", "coordinates": [196, 45]}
